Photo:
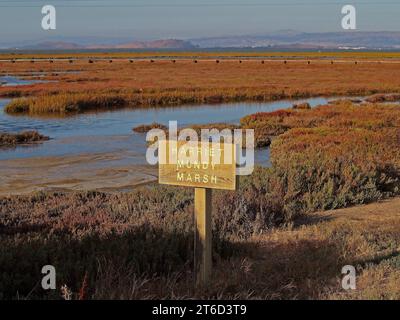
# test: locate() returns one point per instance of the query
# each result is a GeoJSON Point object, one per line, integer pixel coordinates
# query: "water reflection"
{"type": "Point", "coordinates": [11, 81]}
{"type": "Point", "coordinates": [111, 131]}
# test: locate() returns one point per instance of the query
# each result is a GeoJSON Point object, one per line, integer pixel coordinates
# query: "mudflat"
{"type": "Point", "coordinates": [71, 173]}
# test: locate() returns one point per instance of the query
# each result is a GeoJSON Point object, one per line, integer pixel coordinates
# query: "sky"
{"type": "Point", "coordinates": [20, 21]}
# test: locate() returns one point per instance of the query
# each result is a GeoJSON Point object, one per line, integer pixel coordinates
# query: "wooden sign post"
{"type": "Point", "coordinates": [203, 235]}
{"type": "Point", "coordinates": [214, 167]}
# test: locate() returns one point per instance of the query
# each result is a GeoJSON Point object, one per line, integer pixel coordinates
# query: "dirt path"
{"type": "Point", "coordinates": [306, 261]}
{"type": "Point", "coordinates": [371, 212]}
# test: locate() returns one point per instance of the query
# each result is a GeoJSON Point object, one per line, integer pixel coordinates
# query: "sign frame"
{"type": "Point", "coordinates": [223, 174]}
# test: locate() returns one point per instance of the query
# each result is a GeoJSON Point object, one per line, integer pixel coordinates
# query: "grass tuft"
{"type": "Point", "coordinates": [13, 139]}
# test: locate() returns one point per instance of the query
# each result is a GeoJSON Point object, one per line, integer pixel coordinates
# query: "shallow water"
{"type": "Point", "coordinates": [111, 131]}
{"type": "Point", "coordinates": [99, 150]}
{"type": "Point", "coordinates": [12, 81]}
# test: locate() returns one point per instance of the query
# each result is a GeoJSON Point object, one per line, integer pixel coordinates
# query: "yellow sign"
{"type": "Point", "coordinates": [197, 164]}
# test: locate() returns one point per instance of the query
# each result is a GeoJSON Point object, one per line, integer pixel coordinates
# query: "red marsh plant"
{"type": "Point", "coordinates": [328, 157]}
{"type": "Point", "coordinates": [327, 168]}
{"type": "Point", "coordinates": [148, 232]}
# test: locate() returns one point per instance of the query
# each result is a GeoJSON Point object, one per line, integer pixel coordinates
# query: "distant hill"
{"type": "Point", "coordinates": [156, 44]}
{"type": "Point", "coordinates": [286, 39]}
{"type": "Point", "coordinates": [52, 45]}
{"type": "Point", "coordinates": [293, 39]}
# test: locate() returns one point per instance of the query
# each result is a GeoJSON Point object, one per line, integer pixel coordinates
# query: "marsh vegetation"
{"type": "Point", "coordinates": [142, 84]}
{"type": "Point", "coordinates": [25, 137]}
{"type": "Point", "coordinates": [274, 234]}
{"type": "Point", "coordinates": [330, 157]}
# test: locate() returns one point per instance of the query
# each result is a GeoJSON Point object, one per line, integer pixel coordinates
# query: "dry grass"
{"type": "Point", "coordinates": [106, 85]}
{"type": "Point", "coordinates": [376, 98]}
{"type": "Point", "coordinates": [139, 247]}
{"type": "Point", "coordinates": [342, 114]}
{"type": "Point", "coordinates": [305, 262]}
